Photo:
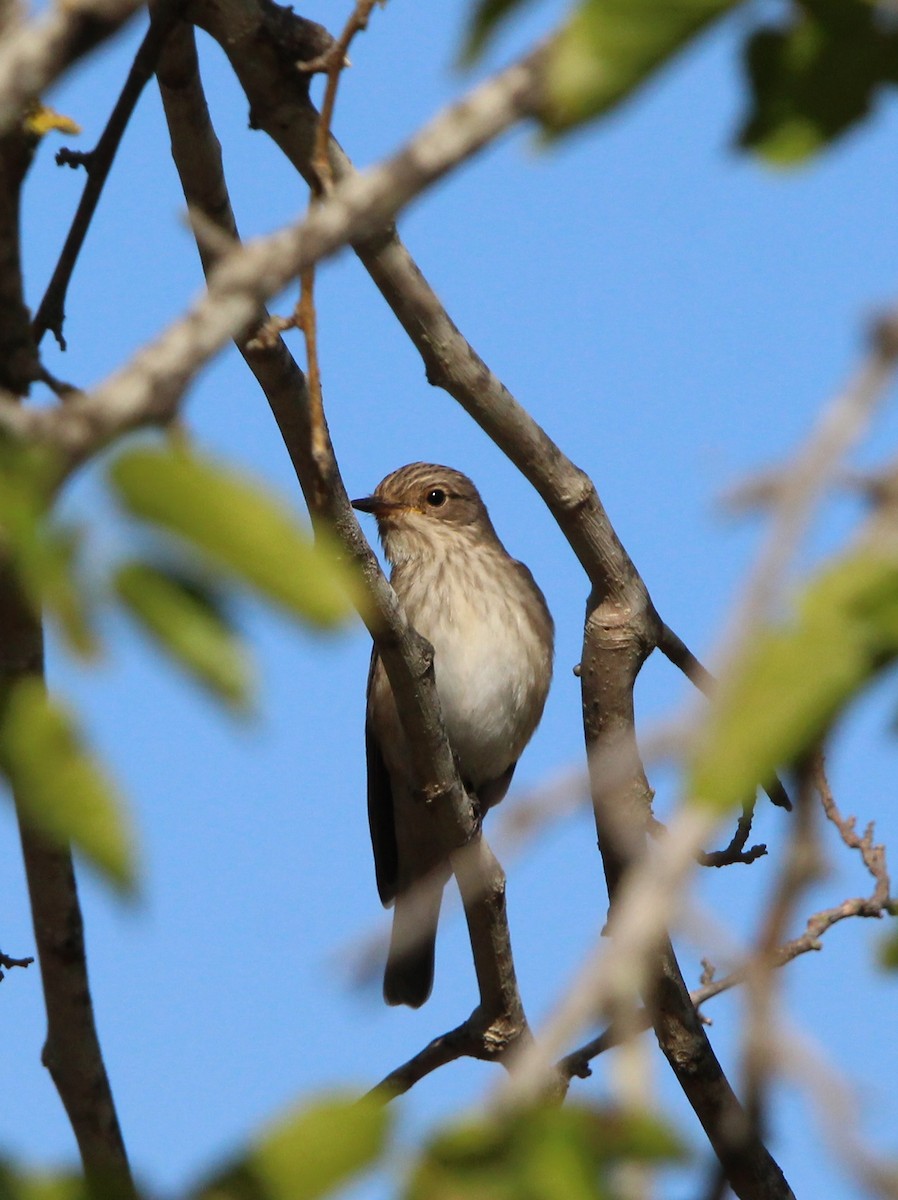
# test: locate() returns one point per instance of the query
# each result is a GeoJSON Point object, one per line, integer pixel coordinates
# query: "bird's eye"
{"type": "Point", "coordinates": [436, 497]}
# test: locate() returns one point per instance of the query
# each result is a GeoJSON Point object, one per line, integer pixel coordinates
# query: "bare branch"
{"type": "Point", "coordinates": [98, 162]}
{"type": "Point", "coordinates": [7, 963]}
{"type": "Point", "coordinates": [735, 852]}
{"type": "Point", "coordinates": [457, 1043]}
{"type": "Point", "coordinates": [71, 1052]}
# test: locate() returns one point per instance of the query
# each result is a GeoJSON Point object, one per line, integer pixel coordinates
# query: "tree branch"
{"type": "Point", "coordinates": [618, 589]}
{"type": "Point", "coordinates": [7, 963]}
{"type": "Point", "coordinates": [71, 1052]}
{"type": "Point", "coordinates": [499, 1021]}
{"type": "Point", "coordinates": [98, 162]}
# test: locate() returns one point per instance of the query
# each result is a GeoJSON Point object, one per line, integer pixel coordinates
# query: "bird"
{"type": "Point", "coordinates": [493, 644]}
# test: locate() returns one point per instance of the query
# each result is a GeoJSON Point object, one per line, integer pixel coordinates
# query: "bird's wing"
{"type": "Point", "coordinates": [381, 816]}
{"type": "Point", "coordinates": [489, 794]}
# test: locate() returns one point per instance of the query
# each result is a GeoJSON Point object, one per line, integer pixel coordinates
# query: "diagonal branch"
{"type": "Point", "coordinates": [98, 162]}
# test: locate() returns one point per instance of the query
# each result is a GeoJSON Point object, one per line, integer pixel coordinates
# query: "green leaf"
{"type": "Point", "coordinates": [608, 47]}
{"type": "Point", "coordinates": [888, 952]}
{"type": "Point", "coordinates": [60, 787]}
{"type": "Point", "coordinates": [486, 18]}
{"type": "Point", "coordinates": [184, 618]}
{"type": "Point", "coordinates": [239, 525]}
{"type": "Point", "coordinates": [309, 1153]}
{"type": "Point", "coordinates": [16, 1184]}
{"type": "Point", "coordinates": [794, 681]}
{"type": "Point", "coordinates": [43, 556]}
{"type": "Point", "coordinates": [815, 77]}
{"type": "Point", "coordinates": [544, 1153]}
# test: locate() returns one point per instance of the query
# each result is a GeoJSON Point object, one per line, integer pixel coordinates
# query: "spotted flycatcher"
{"type": "Point", "coordinates": [492, 637]}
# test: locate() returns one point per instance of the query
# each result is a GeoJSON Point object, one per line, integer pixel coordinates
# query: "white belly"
{"type": "Point", "coordinates": [492, 673]}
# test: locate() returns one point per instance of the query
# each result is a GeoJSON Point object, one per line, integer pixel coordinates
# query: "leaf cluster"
{"type": "Point", "coordinates": [810, 76]}
{"type": "Point", "coordinates": [541, 1153]}
{"type": "Point", "coordinates": [212, 531]}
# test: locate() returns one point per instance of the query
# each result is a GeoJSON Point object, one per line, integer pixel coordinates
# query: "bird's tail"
{"type": "Point", "coordinates": [408, 978]}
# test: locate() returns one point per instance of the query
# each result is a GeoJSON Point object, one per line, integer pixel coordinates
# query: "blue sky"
{"type": "Point", "coordinates": [674, 314]}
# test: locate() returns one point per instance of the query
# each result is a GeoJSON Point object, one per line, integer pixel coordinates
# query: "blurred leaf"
{"type": "Point", "coordinates": [185, 619]}
{"type": "Point", "coordinates": [546, 1153]}
{"type": "Point", "coordinates": [607, 48]}
{"type": "Point", "coordinates": [240, 525]}
{"type": "Point", "coordinates": [16, 1184]}
{"type": "Point", "coordinates": [61, 788]}
{"type": "Point", "coordinates": [815, 77]}
{"type": "Point", "coordinates": [888, 952]}
{"type": "Point", "coordinates": [487, 16]}
{"type": "Point", "coordinates": [40, 120]}
{"type": "Point", "coordinates": [794, 681]}
{"type": "Point", "coordinates": [309, 1153]}
{"type": "Point", "coordinates": [43, 555]}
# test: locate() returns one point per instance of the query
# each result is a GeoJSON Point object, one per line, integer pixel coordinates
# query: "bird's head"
{"type": "Point", "coordinates": [424, 507]}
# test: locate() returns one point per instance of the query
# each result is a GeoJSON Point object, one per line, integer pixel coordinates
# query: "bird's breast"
{"type": "Point", "coordinates": [492, 660]}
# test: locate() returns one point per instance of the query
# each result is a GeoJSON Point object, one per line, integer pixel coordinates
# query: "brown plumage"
{"type": "Point", "coordinates": [492, 636]}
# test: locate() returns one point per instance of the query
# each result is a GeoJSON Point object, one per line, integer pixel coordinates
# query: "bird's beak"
{"type": "Point", "coordinates": [375, 505]}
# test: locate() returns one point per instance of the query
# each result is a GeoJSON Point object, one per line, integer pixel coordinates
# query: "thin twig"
{"type": "Point", "coordinates": [448, 1047]}
{"type": "Point", "coordinates": [98, 162]}
{"type": "Point", "coordinates": [334, 63]}
{"type": "Point", "coordinates": [7, 963]}
{"type": "Point", "coordinates": [877, 905]}
{"type": "Point", "coordinates": [735, 852]}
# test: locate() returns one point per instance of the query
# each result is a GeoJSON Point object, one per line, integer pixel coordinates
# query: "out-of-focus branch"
{"type": "Point", "coordinates": [19, 364]}
{"type": "Point", "coordinates": [71, 1052]}
{"type": "Point", "coordinates": [810, 472]}
{"type": "Point", "coordinates": [800, 867]}
{"type": "Point", "coordinates": [499, 1022]}
{"type": "Point", "coordinates": [877, 905]}
{"type": "Point", "coordinates": [36, 52]}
